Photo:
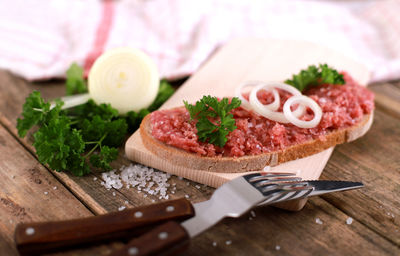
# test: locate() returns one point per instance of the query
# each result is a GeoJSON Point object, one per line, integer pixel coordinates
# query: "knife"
{"type": "Point", "coordinates": [173, 238]}
{"type": "Point", "coordinates": [230, 200]}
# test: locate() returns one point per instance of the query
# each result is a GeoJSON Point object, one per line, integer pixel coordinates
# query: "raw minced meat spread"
{"type": "Point", "coordinates": [342, 106]}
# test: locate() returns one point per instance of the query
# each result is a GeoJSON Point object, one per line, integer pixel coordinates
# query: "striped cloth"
{"type": "Point", "coordinates": [40, 39]}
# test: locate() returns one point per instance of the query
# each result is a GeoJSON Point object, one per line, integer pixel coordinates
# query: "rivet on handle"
{"type": "Point", "coordinates": [138, 214]}
{"type": "Point", "coordinates": [29, 231]}
{"type": "Point", "coordinates": [133, 251]}
{"type": "Point", "coordinates": [170, 208]}
{"type": "Point", "coordinates": [163, 235]}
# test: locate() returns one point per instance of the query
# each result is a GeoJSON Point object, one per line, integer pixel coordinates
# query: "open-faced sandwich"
{"type": "Point", "coordinates": [271, 124]}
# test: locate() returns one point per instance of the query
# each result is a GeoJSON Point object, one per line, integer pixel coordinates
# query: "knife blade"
{"type": "Point", "coordinates": [172, 238]}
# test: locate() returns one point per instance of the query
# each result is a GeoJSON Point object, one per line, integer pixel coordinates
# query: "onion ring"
{"type": "Point", "coordinates": [269, 111]}
{"type": "Point", "coordinates": [303, 101]}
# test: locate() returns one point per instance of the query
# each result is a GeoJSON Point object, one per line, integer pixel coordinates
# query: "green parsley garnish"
{"type": "Point", "coordinates": [85, 136]}
{"type": "Point", "coordinates": [75, 82]}
{"type": "Point", "coordinates": [214, 120]}
{"type": "Point", "coordinates": [314, 76]}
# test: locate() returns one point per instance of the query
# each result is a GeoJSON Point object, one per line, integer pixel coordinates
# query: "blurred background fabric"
{"type": "Point", "coordinates": [40, 39]}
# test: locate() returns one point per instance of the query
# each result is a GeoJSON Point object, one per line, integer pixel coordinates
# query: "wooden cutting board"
{"type": "Point", "coordinates": [243, 60]}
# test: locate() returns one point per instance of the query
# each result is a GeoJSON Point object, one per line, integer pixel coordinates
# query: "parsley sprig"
{"type": "Point", "coordinates": [314, 76]}
{"type": "Point", "coordinates": [214, 120]}
{"type": "Point", "coordinates": [83, 137]}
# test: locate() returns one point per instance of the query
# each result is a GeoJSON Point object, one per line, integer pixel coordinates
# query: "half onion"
{"type": "Point", "coordinates": [124, 77]}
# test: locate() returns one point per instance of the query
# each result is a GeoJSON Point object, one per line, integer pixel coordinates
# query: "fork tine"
{"type": "Point", "coordinates": [284, 192]}
{"type": "Point", "coordinates": [262, 182]}
{"type": "Point", "coordinates": [270, 175]}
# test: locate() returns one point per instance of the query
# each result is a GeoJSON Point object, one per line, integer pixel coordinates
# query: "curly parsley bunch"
{"type": "Point", "coordinates": [82, 137]}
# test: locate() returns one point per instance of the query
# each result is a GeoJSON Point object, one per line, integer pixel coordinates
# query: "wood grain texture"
{"type": "Point", "coordinates": [248, 60]}
{"type": "Point", "coordinates": [29, 192]}
{"type": "Point", "coordinates": [373, 231]}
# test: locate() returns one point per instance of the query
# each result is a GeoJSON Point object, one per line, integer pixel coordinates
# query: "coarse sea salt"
{"type": "Point", "coordinates": [144, 179]}
{"type": "Point", "coordinates": [349, 220]}
{"type": "Point", "coordinates": [318, 221]}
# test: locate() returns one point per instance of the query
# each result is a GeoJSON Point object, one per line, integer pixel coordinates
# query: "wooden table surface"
{"type": "Point", "coordinates": [31, 192]}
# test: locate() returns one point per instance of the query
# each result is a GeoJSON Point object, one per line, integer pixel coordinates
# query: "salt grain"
{"type": "Point", "coordinates": [253, 214]}
{"type": "Point", "coordinates": [186, 196]}
{"type": "Point", "coordinates": [267, 168]}
{"type": "Point", "coordinates": [13, 177]}
{"type": "Point", "coordinates": [95, 178]}
{"type": "Point", "coordinates": [114, 194]}
{"type": "Point", "coordinates": [229, 242]}
{"type": "Point", "coordinates": [277, 247]}
{"type": "Point", "coordinates": [214, 244]}
{"type": "Point", "coordinates": [197, 186]}
{"type": "Point", "coordinates": [318, 221]}
{"type": "Point", "coordinates": [55, 187]}
{"type": "Point", "coordinates": [142, 178]}
{"type": "Point", "coordinates": [349, 220]}
{"type": "Point", "coordinates": [121, 208]}
{"type": "Point", "coordinates": [46, 193]}
{"type": "Point", "coordinates": [390, 214]}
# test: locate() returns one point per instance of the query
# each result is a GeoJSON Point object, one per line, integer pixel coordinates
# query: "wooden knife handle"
{"type": "Point", "coordinates": [43, 237]}
{"type": "Point", "coordinates": [168, 239]}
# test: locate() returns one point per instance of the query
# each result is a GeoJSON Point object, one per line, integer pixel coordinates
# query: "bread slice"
{"type": "Point", "coordinates": [253, 162]}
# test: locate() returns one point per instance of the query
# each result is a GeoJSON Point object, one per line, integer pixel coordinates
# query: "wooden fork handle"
{"type": "Point", "coordinates": [43, 237]}
{"type": "Point", "coordinates": [167, 239]}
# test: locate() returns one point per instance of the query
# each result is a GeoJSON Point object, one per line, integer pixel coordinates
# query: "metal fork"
{"type": "Point", "coordinates": [238, 196]}
{"type": "Point", "coordinates": [232, 199]}
{"type": "Point", "coordinates": [157, 236]}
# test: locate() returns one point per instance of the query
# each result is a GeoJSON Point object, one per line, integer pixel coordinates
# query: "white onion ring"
{"type": "Point", "coordinates": [262, 110]}
{"type": "Point", "coordinates": [246, 104]}
{"type": "Point", "coordinates": [271, 113]}
{"type": "Point", "coordinates": [303, 101]}
{"type": "Point", "coordinates": [238, 93]}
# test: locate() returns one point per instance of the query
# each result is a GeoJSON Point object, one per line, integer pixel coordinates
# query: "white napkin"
{"type": "Point", "coordinates": [40, 39]}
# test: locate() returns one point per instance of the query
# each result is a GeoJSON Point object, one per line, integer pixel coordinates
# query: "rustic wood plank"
{"type": "Point", "coordinates": [387, 97]}
{"type": "Point", "coordinates": [295, 233]}
{"type": "Point", "coordinates": [97, 198]}
{"type": "Point", "coordinates": [29, 192]}
{"type": "Point", "coordinates": [374, 159]}
{"type": "Point", "coordinates": [270, 224]}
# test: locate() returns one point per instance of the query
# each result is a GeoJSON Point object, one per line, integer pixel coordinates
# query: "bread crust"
{"type": "Point", "coordinates": [254, 162]}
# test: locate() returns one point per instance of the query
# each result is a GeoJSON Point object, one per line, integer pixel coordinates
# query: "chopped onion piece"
{"type": "Point", "coordinates": [303, 101]}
